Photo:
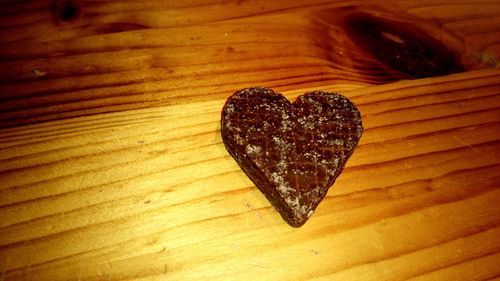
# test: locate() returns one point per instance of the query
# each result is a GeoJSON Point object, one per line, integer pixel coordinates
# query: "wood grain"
{"type": "Point", "coordinates": [112, 165]}
{"type": "Point", "coordinates": [120, 55]}
{"type": "Point", "coordinates": [152, 193]}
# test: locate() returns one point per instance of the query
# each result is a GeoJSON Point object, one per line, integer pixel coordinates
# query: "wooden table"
{"type": "Point", "coordinates": [112, 165]}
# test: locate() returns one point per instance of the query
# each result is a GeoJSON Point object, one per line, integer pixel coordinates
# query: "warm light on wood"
{"type": "Point", "coordinates": [112, 165]}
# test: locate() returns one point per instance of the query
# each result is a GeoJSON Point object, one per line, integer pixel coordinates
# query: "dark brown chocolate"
{"type": "Point", "coordinates": [293, 152]}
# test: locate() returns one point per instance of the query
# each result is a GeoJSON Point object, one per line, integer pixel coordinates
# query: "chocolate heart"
{"type": "Point", "coordinates": [293, 152]}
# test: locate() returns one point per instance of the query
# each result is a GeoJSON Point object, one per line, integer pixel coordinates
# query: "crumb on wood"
{"type": "Point", "coordinates": [35, 72]}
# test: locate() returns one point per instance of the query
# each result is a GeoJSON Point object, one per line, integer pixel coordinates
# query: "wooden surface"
{"type": "Point", "coordinates": [112, 166]}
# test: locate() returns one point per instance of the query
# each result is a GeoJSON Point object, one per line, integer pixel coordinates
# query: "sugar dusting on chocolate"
{"type": "Point", "coordinates": [292, 151]}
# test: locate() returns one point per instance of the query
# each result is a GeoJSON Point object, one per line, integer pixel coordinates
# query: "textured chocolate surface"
{"type": "Point", "coordinates": [293, 152]}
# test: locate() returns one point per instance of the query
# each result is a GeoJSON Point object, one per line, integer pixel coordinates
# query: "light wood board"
{"type": "Point", "coordinates": [112, 165]}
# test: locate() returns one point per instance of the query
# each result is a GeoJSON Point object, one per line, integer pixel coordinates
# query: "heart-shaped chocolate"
{"type": "Point", "coordinates": [293, 152]}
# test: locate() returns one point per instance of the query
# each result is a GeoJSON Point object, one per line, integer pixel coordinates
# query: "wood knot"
{"type": "Point", "coordinates": [401, 46]}
{"type": "Point", "coordinates": [66, 10]}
